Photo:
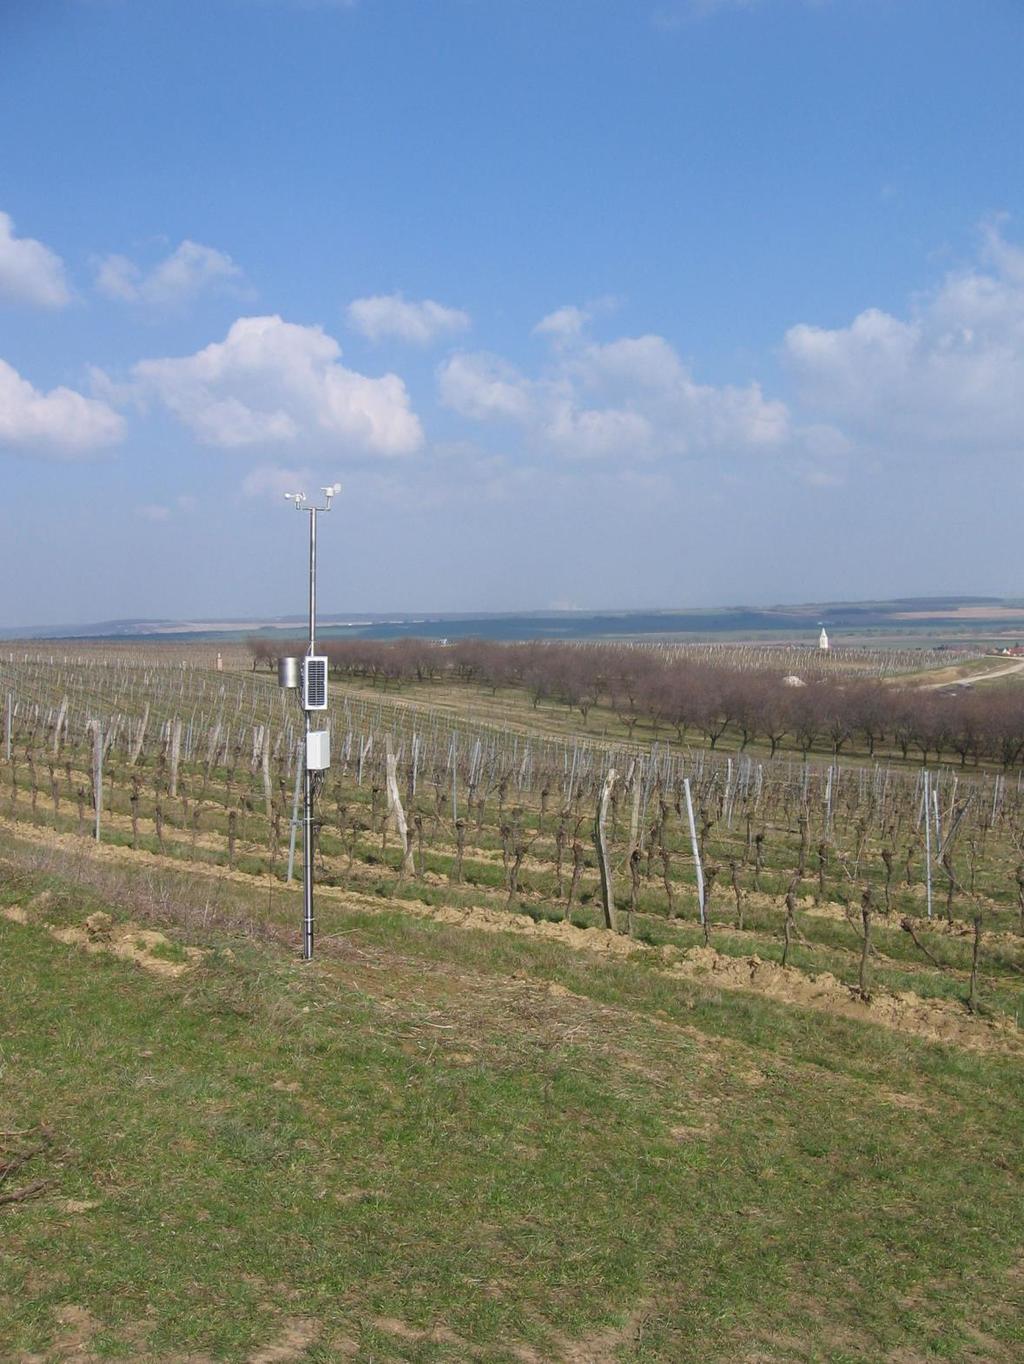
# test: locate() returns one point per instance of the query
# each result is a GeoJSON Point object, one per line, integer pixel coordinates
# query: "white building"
{"type": "Point", "coordinates": [823, 643]}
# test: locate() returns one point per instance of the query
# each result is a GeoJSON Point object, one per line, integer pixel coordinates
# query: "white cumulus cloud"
{"type": "Point", "coordinates": [271, 382]}
{"type": "Point", "coordinates": [29, 271]}
{"type": "Point", "coordinates": [632, 397]}
{"type": "Point", "coordinates": [949, 375]}
{"type": "Point", "coordinates": [60, 423]}
{"type": "Point", "coordinates": [390, 315]}
{"type": "Point", "coordinates": [646, 374]}
{"type": "Point", "coordinates": [598, 432]}
{"type": "Point", "coordinates": [564, 324]}
{"type": "Point", "coordinates": [189, 270]}
{"type": "Point", "coordinates": [483, 386]}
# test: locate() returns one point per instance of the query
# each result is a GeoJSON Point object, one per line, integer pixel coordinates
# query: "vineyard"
{"type": "Point", "coordinates": [872, 881]}
{"type": "Point", "coordinates": [611, 1050]}
{"type": "Point", "coordinates": [410, 655]}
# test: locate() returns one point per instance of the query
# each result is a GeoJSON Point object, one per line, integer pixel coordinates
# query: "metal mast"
{"type": "Point", "coordinates": [300, 502]}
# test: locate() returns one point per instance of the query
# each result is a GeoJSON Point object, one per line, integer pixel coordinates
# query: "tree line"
{"type": "Point", "coordinates": [644, 688]}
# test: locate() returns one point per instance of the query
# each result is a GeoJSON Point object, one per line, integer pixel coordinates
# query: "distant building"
{"type": "Point", "coordinates": [823, 643]}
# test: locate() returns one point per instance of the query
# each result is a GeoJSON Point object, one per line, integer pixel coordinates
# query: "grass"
{"type": "Point", "coordinates": [436, 1144]}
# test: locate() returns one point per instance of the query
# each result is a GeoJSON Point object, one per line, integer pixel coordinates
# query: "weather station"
{"type": "Point", "coordinates": [307, 676]}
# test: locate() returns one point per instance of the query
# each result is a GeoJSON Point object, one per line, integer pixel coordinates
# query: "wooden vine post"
{"type": "Point", "coordinates": [175, 756]}
{"type": "Point", "coordinates": [397, 810]}
{"type": "Point", "coordinates": [268, 794]}
{"type": "Point", "coordinates": [97, 775]}
{"type": "Point", "coordinates": [140, 737]}
{"type": "Point", "coordinates": [695, 846]}
{"type": "Point", "coordinates": [603, 860]}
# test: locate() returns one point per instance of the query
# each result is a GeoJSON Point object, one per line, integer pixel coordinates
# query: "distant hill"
{"type": "Point", "coordinates": [957, 616]}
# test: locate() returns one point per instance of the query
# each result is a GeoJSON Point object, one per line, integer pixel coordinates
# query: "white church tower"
{"type": "Point", "coordinates": [823, 643]}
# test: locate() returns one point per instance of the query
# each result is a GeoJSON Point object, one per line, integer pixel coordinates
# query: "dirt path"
{"type": "Point", "coordinates": [1004, 670]}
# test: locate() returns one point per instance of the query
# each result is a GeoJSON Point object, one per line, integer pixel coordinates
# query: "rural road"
{"type": "Point", "coordinates": [1004, 670]}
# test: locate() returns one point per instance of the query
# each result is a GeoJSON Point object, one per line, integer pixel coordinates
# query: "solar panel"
{"type": "Point", "coordinates": [314, 682]}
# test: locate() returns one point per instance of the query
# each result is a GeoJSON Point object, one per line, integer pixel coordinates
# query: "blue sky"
{"type": "Point", "coordinates": [585, 302]}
